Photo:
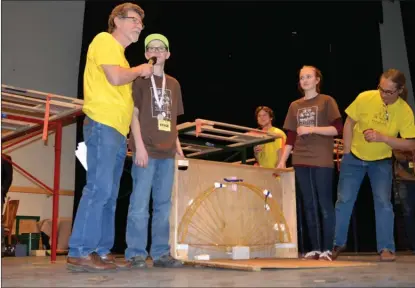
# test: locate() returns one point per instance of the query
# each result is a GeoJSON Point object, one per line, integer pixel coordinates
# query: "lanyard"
{"type": "Point", "coordinates": [163, 89]}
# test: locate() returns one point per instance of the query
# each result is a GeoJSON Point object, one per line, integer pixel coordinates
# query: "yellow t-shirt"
{"type": "Point", "coordinates": [268, 157]}
{"type": "Point", "coordinates": [369, 112]}
{"type": "Point", "coordinates": [105, 103]}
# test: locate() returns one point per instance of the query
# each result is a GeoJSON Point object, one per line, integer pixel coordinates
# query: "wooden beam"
{"type": "Point", "coordinates": [37, 190]}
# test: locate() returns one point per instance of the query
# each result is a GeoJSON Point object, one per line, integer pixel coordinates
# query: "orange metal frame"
{"type": "Point", "coordinates": [43, 127]}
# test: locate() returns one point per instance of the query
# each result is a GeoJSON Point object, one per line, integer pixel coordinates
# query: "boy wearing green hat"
{"type": "Point", "coordinates": [154, 142]}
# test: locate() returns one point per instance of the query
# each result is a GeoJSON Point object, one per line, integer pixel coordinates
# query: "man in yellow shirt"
{"type": "Point", "coordinates": [374, 121]}
{"type": "Point", "coordinates": [108, 106]}
{"type": "Point", "coordinates": [268, 155]}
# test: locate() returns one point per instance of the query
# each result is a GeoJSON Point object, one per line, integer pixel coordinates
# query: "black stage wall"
{"type": "Point", "coordinates": [408, 22]}
{"type": "Point", "coordinates": [232, 57]}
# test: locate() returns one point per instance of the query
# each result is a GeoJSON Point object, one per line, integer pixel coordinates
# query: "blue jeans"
{"type": "Point", "coordinates": [352, 172]}
{"type": "Point", "coordinates": [157, 177]}
{"type": "Point", "coordinates": [316, 186]}
{"type": "Point", "coordinates": [94, 226]}
{"type": "Point", "coordinates": [407, 196]}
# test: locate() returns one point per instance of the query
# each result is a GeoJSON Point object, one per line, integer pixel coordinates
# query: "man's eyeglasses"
{"type": "Point", "coordinates": [387, 92]}
{"type": "Point", "coordinates": [156, 49]}
{"type": "Point", "coordinates": [134, 20]}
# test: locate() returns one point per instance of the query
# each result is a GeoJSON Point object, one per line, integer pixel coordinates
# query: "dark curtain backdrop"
{"type": "Point", "coordinates": [408, 21]}
{"type": "Point", "coordinates": [232, 57]}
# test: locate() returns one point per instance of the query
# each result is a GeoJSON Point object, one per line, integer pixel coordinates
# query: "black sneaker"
{"type": "Point", "coordinates": [336, 251]}
{"type": "Point", "coordinates": [167, 261]}
{"type": "Point", "coordinates": [138, 262]}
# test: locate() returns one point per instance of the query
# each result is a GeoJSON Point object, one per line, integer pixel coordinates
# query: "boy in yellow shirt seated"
{"type": "Point", "coordinates": [269, 154]}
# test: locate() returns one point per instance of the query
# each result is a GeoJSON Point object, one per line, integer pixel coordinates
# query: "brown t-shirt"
{"type": "Point", "coordinates": [312, 149]}
{"type": "Point", "coordinates": [160, 144]}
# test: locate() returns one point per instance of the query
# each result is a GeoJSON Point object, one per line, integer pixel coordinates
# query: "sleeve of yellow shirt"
{"type": "Point", "coordinates": [106, 50]}
{"type": "Point", "coordinates": [407, 129]}
{"type": "Point", "coordinates": [279, 141]}
{"type": "Point", "coordinates": [352, 110]}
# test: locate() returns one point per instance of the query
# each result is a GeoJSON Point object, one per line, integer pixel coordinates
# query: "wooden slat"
{"type": "Point", "coordinates": [39, 95]}
{"type": "Point", "coordinates": [247, 161]}
{"type": "Point", "coordinates": [201, 147]}
{"type": "Point", "coordinates": [41, 101]}
{"type": "Point", "coordinates": [210, 136]}
{"type": "Point", "coordinates": [190, 149]}
{"type": "Point", "coordinates": [15, 140]}
{"type": "Point", "coordinates": [31, 104]}
{"type": "Point", "coordinates": [259, 264]}
{"type": "Point", "coordinates": [15, 122]}
{"type": "Point", "coordinates": [204, 152]}
{"type": "Point", "coordinates": [229, 132]}
{"type": "Point", "coordinates": [63, 114]}
{"type": "Point", "coordinates": [27, 114]}
{"type": "Point", "coordinates": [8, 126]}
{"type": "Point", "coordinates": [5, 131]}
{"type": "Point", "coordinates": [185, 125]}
{"type": "Point", "coordinates": [213, 123]}
{"type": "Point", "coordinates": [6, 104]}
{"type": "Point", "coordinates": [38, 190]}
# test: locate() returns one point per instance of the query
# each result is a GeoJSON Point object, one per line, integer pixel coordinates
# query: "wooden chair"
{"type": "Point", "coordinates": [9, 217]}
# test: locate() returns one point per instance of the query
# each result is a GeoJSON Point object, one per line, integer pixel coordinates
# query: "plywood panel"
{"type": "Point", "coordinates": [209, 220]}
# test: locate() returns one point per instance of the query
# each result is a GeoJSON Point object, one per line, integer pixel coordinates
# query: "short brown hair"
{"type": "Point", "coordinates": [266, 109]}
{"type": "Point", "coordinates": [121, 11]}
{"type": "Point", "coordinates": [317, 74]}
{"type": "Point", "coordinates": [399, 79]}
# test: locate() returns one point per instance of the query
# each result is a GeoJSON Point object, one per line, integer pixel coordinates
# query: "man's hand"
{"type": "Point", "coordinates": [179, 150]}
{"type": "Point", "coordinates": [180, 153]}
{"type": "Point", "coordinates": [141, 157]}
{"type": "Point", "coordinates": [303, 130]}
{"type": "Point", "coordinates": [146, 70]}
{"type": "Point", "coordinates": [373, 136]}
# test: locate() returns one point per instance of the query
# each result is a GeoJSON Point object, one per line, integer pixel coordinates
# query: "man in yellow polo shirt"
{"type": "Point", "coordinates": [370, 133]}
{"type": "Point", "coordinates": [108, 106]}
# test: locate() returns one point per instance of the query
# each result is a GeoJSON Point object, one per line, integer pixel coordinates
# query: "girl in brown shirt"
{"type": "Point", "coordinates": [311, 123]}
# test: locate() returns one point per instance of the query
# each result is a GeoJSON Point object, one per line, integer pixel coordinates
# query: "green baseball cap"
{"type": "Point", "coordinates": [159, 37]}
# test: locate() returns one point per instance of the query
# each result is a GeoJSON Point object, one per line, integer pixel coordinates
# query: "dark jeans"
{"type": "Point", "coordinates": [316, 186]}
{"type": "Point", "coordinates": [407, 196]}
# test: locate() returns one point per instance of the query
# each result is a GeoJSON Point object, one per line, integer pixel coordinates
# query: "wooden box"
{"type": "Point", "coordinates": [217, 206]}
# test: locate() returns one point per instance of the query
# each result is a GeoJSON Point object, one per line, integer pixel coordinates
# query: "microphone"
{"type": "Point", "coordinates": [152, 60]}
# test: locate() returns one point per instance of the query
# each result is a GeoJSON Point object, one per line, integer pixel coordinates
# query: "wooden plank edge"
{"type": "Point", "coordinates": [214, 264]}
{"type": "Point", "coordinates": [37, 190]}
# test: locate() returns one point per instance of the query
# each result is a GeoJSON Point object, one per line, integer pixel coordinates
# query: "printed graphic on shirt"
{"type": "Point", "coordinates": [307, 116]}
{"type": "Point", "coordinates": [166, 104]}
{"type": "Point", "coordinates": [381, 117]}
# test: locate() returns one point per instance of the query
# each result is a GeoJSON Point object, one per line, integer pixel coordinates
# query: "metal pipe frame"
{"type": "Point", "coordinates": [57, 126]}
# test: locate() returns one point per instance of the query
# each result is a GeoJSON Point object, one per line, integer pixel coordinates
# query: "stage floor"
{"type": "Point", "coordinates": [39, 272]}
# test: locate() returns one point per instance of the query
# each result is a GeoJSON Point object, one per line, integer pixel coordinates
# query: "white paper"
{"type": "Point", "coordinates": [183, 162]}
{"type": "Point", "coordinates": [240, 252]}
{"type": "Point", "coordinates": [80, 153]}
{"type": "Point", "coordinates": [202, 257]}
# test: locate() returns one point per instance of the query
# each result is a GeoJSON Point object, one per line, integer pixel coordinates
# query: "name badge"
{"type": "Point", "coordinates": [164, 125]}
{"type": "Point", "coordinates": [411, 164]}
